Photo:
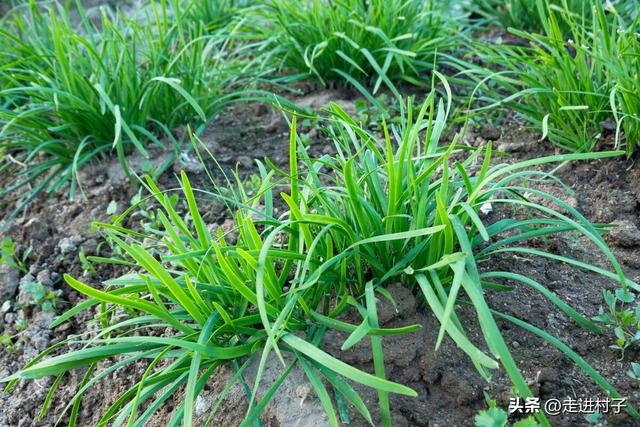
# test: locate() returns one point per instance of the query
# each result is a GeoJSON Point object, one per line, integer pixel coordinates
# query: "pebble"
{"type": "Point", "coordinates": [90, 247]}
{"type": "Point", "coordinates": [37, 230]}
{"type": "Point", "coordinates": [303, 391]}
{"type": "Point", "coordinates": [202, 405]}
{"type": "Point", "coordinates": [245, 162]}
{"type": "Point", "coordinates": [70, 245]}
{"type": "Point", "coordinates": [513, 147]}
{"type": "Point", "coordinates": [188, 162]}
{"type": "Point", "coordinates": [46, 278]}
{"type": "Point", "coordinates": [24, 297]}
{"type": "Point", "coordinates": [6, 306]}
{"type": "Point", "coordinates": [625, 233]}
{"type": "Point", "coordinates": [9, 281]}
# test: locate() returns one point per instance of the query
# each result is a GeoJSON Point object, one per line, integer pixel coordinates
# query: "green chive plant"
{"type": "Point", "coordinates": [387, 209]}
{"type": "Point", "coordinates": [214, 297]}
{"type": "Point", "coordinates": [525, 14]}
{"type": "Point", "coordinates": [379, 41]}
{"type": "Point", "coordinates": [409, 215]}
{"type": "Point", "coordinates": [73, 93]}
{"type": "Point", "coordinates": [214, 14]}
{"type": "Point", "coordinates": [623, 68]}
{"type": "Point", "coordinates": [569, 86]}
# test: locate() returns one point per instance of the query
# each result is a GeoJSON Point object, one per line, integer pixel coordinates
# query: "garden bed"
{"type": "Point", "coordinates": [245, 152]}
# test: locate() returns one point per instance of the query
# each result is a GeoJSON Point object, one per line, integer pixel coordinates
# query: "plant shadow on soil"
{"type": "Point", "coordinates": [450, 392]}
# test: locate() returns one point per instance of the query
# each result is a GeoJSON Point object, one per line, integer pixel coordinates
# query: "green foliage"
{"type": "Point", "coordinates": [525, 14]}
{"type": "Point", "coordinates": [381, 211]}
{"type": "Point", "coordinates": [634, 371]}
{"type": "Point", "coordinates": [72, 94]}
{"type": "Point", "coordinates": [379, 41]}
{"type": "Point", "coordinates": [526, 422]}
{"type": "Point", "coordinates": [214, 14]}
{"type": "Point", "coordinates": [623, 69]}
{"type": "Point", "coordinates": [623, 316]}
{"type": "Point", "coordinates": [215, 306]}
{"type": "Point", "coordinates": [568, 86]}
{"type": "Point", "coordinates": [492, 417]}
{"type": "Point", "coordinates": [6, 341]}
{"type": "Point", "coordinates": [403, 221]}
{"type": "Point", "coordinates": [392, 206]}
{"type": "Point", "coordinates": [594, 418]}
{"type": "Point", "coordinates": [495, 416]}
{"type": "Point", "coordinates": [87, 267]}
{"type": "Point", "coordinates": [47, 299]}
{"type": "Point", "coordinates": [9, 257]}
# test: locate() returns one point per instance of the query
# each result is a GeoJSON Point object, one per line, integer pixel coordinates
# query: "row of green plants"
{"type": "Point", "coordinates": [378, 43]}
{"type": "Point", "coordinates": [399, 205]}
{"type": "Point", "coordinates": [572, 72]}
{"type": "Point", "coordinates": [524, 14]}
{"type": "Point", "coordinates": [76, 90]}
{"type": "Point", "coordinates": [72, 93]}
{"type": "Point", "coordinates": [577, 74]}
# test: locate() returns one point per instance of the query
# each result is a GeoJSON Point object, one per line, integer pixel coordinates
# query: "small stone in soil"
{"type": "Point", "coordinates": [9, 281]}
{"type": "Point", "coordinates": [69, 245]}
{"type": "Point", "coordinates": [6, 306]}
{"type": "Point", "coordinates": [520, 146]}
{"type": "Point", "coordinates": [90, 247]}
{"type": "Point", "coordinates": [46, 278]}
{"type": "Point", "coordinates": [625, 234]}
{"type": "Point", "coordinates": [202, 405]}
{"type": "Point", "coordinates": [245, 162]}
